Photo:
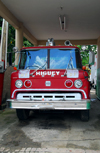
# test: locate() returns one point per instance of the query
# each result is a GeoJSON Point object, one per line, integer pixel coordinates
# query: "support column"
{"type": "Point", "coordinates": [98, 69]}
{"type": "Point", "coordinates": [3, 58]}
{"type": "Point", "coordinates": [19, 41]}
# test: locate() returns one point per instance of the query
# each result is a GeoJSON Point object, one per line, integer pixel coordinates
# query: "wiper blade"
{"type": "Point", "coordinates": [39, 67]}
{"type": "Point", "coordinates": [70, 65]}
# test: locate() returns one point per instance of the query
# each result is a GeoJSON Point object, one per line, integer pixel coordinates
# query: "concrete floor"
{"type": "Point", "coordinates": [60, 130]}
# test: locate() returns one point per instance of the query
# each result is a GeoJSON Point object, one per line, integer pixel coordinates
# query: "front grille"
{"type": "Point", "coordinates": [49, 96]}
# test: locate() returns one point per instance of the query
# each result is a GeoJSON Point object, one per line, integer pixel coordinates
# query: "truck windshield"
{"type": "Point", "coordinates": [50, 58]}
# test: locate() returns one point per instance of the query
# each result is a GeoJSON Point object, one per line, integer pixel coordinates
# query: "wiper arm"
{"type": "Point", "coordinates": [39, 67]}
{"type": "Point", "coordinates": [36, 65]}
{"type": "Point", "coordinates": [70, 64]}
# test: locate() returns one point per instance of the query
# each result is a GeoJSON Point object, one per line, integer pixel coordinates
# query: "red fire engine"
{"type": "Point", "coordinates": [50, 77]}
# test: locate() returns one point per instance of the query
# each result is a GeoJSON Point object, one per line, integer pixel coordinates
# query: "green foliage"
{"type": "Point", "coordinates": [0, 26]}
{"type": "Point", "coordinates": [26, 43]}
{"type": "Point", "coordinates": [85, 54]}
{"type": "Point", "coordinates": [11, 39]}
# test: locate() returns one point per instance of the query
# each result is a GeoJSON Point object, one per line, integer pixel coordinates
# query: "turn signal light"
{"type": "Point", "coordinates": [84, 67]}
{"type": "Point", "coordinates": [68, 83]}
{"type": "Point", "coordinates": [15, 68]}
{"type": "Point", "coordinates": [27, 83]}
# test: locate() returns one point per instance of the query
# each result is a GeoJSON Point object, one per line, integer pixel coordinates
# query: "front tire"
{"type": "Point", "coordinates": [22, 114]}
{"type": "Point", "coordinates": [85, 115]}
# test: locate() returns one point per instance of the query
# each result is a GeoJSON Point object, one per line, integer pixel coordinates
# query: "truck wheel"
{"type": "Point", "coordinates": [85, 115]}
{"type": "Point", "coordinates": [22, 114]}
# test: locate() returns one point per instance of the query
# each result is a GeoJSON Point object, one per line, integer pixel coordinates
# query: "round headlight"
{"type": "Point", "coordinates": [78, 83]}
{"type": "Point", "coordinates": [18, 83]}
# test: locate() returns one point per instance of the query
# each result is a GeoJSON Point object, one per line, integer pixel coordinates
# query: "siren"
{"type": "Point", "coordinates": [67, 43]}
{"type": "Point", "coordinates": [50, 42]}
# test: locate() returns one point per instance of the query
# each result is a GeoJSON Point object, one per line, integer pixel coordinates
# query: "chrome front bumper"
{"type": "Point", "coordinates": [58, 105]}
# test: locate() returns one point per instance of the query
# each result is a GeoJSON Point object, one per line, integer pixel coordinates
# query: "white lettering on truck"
{"type": "Point", "coordinates": [47, 73]}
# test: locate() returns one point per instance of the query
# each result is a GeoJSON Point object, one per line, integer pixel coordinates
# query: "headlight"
{"type": "Point", "coordinates": [18, 83]}
{"type": "Point", "coordinates": [78, 83]}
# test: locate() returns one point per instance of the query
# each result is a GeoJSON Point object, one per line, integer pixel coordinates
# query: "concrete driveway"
{"type": "Point", "coordinates": [51, 132]}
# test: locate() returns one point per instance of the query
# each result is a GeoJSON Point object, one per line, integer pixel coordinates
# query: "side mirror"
{"type": "Point", "coordinates": [15, 49]}
{"type": "Point", "coordinates": [91, 57]}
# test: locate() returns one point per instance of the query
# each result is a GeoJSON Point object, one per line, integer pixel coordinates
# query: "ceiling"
{"type": "Point", "coordinates": [41, 18]}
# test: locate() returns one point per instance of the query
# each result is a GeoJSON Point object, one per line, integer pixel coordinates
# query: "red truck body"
{"type": "Point", "coordinates": [57, 83]}
{"type": "Point", "coordinates": [51, 87]}
{"type": "Point", "coordinates": [1, 86]}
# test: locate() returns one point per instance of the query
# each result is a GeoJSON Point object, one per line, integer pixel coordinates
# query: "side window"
{"type": "Point", "coordinates": [78, 59]}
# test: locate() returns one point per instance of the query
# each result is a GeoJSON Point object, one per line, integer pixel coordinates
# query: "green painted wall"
{"type": "Point", "coordinates": [98, 83]}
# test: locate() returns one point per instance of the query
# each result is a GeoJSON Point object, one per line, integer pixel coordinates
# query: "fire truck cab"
{"type": "Point", "coordinates": [50, 77]}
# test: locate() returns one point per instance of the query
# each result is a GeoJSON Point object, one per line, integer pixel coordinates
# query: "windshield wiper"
{"type": "Point", "coordinates": [70, 65]}
{"type": "Point", "coordinates": [39, 67]}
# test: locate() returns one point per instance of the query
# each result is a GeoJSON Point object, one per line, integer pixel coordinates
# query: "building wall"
{"type": "Point", "coordinates": [6, 84]}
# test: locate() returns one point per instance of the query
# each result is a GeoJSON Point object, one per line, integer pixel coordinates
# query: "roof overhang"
{"type": "Point", "coordinates": [40, 20]}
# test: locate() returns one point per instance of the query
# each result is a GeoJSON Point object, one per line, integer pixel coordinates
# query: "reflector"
{"type": "Point", "coordinates": [27, 83]}
{"type": "Point", "coordinates": [68, 83]}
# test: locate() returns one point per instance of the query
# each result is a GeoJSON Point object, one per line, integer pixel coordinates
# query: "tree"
{"type": "Point", "coordinates": [11, 37]}
{"type": "Point", "coordinates": [27, 43]}
{"type": "Point", "coordinates": [1, 25]}
{"type": "Point", "coordinates": [85, 54]}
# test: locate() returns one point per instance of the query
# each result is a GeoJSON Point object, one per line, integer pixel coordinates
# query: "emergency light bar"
{"type": "Point", "coordinates": [67, 43]}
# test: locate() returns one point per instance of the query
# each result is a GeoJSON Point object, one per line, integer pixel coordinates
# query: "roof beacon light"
{"type": "Point", "coordinates": [67, 43]}
{"type": "Point", "coordinates": [50, 42]}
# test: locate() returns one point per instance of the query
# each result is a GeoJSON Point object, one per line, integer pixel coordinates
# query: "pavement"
{"type": "Point", "coordinates": [93, 134]}
{"type": "Point", "coordinates": [46, 150]}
